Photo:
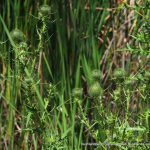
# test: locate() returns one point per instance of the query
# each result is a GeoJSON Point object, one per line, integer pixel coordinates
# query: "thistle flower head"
{"type": "Point", "coordinates": [44, 11]}
{"type": "Point", "coordinates": [96, 75]}
{"type": "Point", "coordinates": [17, 36]}
{"type": "Point", "coordinates": [95, 90]}
{"type": "Point", "coordinates": [119, 74]}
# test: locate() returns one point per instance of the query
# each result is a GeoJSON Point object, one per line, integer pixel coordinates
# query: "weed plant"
{"type": "Point", "coordinates": [74, 74]}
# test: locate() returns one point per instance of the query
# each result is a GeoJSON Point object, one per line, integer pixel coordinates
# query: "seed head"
{"type": "Point", "coordinates": [95, 90]}
{"type": "Point", "coordinates": [17, 36]}
{"type": "Point", "coordinates": [96, 75]}
{"type": "Point", "coordinates": [119, 73]}
{"type": "Point", "coordinates": [44, 11]}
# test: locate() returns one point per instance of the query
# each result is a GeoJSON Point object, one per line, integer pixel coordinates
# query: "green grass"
{"type": "Point", "coordinates": [50, 96]}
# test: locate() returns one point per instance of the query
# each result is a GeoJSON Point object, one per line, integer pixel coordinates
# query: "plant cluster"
{"type": "Point", "coordinates": [51, 97]}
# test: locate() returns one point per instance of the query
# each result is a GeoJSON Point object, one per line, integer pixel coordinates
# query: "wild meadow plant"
{"type": "Point", "coordinates": [74, 74]}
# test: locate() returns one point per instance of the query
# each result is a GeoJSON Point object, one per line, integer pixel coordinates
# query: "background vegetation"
{"type": "Point", "coordinates": [74, 73]}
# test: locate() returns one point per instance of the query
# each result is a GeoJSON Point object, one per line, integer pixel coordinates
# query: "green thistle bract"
{"type": "Point", "coordinates": [95, 90]}
{"type": "Point", "coordinates": [119, 73]}
{"type": "Point", "coordinates": [77, 92]}
{"type": "Point", "coordinates": [17, 36]}
{"type": "Point", "coordinates": [96, 75]}
{"type": "Point", "coordinates": [44, 11]}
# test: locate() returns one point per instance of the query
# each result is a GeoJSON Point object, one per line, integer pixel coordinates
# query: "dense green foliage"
{"type": "Point", "coordinates": [74, 74]}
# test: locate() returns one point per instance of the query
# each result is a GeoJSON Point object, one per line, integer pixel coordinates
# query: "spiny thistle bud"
{"type": "Point", "coordinates": [96, 75]}
{"type": "Point", "coordinates": [119, 73]}
{"type": "Point", "coordinates": [77, 92]}
{"type": "Point", "coordinates": [17, 36]}
{"type": "Point", "coordinates": [44, 11]}
{"type": "Point", "coordinates": [95, 90]}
